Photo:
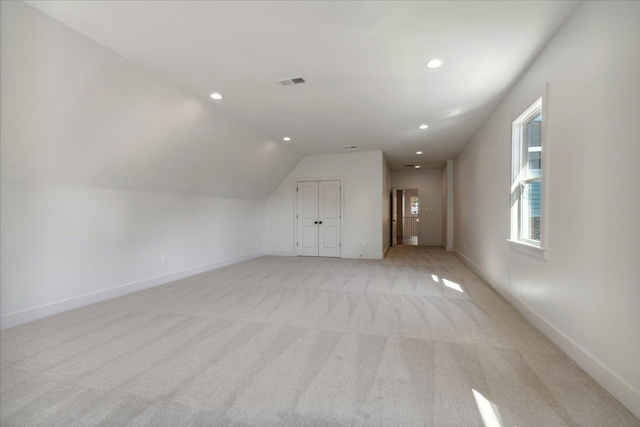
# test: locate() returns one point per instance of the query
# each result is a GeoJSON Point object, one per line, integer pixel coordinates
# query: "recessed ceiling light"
{"type": "Point", "coordinates": [424, 126]}
{"type": "Point", "coordinates": [434, 63]}
{"type": "Point", "coordinates": [216, 96]}
{"type": "Point", "coordinates": [286, 138]}
{"type": "Point", "coordinates": [418, 152]}
{"type": "Point", "coordinates": [417, 166]}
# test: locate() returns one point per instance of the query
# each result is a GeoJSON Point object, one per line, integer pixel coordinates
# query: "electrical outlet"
{"type": "Point", "coordinates": [364, 244]}
{"type": "Point", "coordinates": [465, 246]}
{"type": "Point", "coordinates": [257, 243]}
{"type": "Point", "coordinates": [162, 259]}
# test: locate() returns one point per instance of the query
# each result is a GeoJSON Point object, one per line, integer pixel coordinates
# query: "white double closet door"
{"type": "Point", "coordinates": [318, 218]}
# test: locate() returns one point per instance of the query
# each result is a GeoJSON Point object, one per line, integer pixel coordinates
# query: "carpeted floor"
{"type": "Point", "coordinates": [414, 339]}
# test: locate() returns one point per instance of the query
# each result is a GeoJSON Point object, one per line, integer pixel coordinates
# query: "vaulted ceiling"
{"type": "Point", "coordinates": [363, 62]}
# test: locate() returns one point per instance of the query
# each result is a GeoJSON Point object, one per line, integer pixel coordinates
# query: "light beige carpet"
{"type": "Point", "coordinates": [415, 339]}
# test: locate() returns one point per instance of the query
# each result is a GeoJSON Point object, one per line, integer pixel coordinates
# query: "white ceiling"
{"type": "Point", "coordinates": [364, 63]}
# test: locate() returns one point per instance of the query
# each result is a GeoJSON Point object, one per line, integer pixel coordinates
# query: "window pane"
{"type": "Point", "coordinates": [533, 147]}
{"type": "Point", "coordinates": [526, 174]}
{"type": "Point", "coordinates": [414, 205]}
{"type": "Point", "coordinates": [530, 211]}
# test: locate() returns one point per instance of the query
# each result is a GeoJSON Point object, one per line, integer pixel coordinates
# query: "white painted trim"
{"type": "Point", "coordinates": [525, 248]}
{"type": "Point", "coordinates": [518, 165]}
{"type": "Point", "coordinates": [35, 313]}
{"type": "Point", "coordinates": [622, 390]}
{"type": "Point", "coordinates": [384, 253]}
{"type": "Point", "coordinates": [280, 253]}
{"type": "Point", "coordinates": [363, 255]}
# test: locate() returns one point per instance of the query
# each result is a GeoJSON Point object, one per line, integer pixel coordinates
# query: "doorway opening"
{"type": "Point", "coordinates": [405, 208]}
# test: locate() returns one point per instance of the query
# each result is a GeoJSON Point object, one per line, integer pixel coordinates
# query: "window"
{"type": "Point", "coordinates": [414, 205]}
{"type": "Point", "coordinates": [526, 177]}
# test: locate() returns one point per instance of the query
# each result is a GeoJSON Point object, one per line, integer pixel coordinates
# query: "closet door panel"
{"type": "Point", "coordinates": [329, 218]}
{"type": "Point", "coordinates": [306, 223]}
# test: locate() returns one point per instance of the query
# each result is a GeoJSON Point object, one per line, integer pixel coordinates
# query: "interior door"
{"type": "Point", "coordinates": [394, 217]}
{"type": "Point", "coordinates": [307, 218]}
{"type": "Point", "coordinates": [329, 218]}
{"type": "Point", "coordinates": [318, 218]}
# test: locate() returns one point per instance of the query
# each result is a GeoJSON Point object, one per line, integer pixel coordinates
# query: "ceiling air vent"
{"type": "Point", "coordinates": [291, 81]}
{"type": "Point", "coordinates": [409, 166]}
{"type": "Point", "coordinates": [351, 147]}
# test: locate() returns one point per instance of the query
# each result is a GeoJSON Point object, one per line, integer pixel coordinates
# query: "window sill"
{"type": "Point", "coordinates": [531, 250]}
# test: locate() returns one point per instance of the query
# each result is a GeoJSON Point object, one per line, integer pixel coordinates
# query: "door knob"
{"type": "Point", "coordinates": [320, 222]}
{"type": "Point", "coordinates": [315, 222]}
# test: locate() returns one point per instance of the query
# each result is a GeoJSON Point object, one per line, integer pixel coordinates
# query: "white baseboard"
{"type": "Point", "coordinates": [444, 246]}
{"type": "Point", "coordinates": [280, 253]}
{"type": "Point", "coordinates": [384, 253]}
{"type": "Point", "coordinates": [35, 313]}
{"type": "Point", "coordinates": [363, 255]}
{"type": "Point", "coordinates": [346, 255]}
{"type": "Point", "coordinates": [626, 393]}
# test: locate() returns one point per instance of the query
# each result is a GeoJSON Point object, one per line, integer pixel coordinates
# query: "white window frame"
{"type": "Point", "coordinates": [417, 212]}
{"type": "Point", "coordinates": [519, 159]}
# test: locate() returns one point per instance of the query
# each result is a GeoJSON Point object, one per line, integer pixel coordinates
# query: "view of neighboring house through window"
{"type": "Point", "coordinates": [414, 205]}
{"type": "Point", "coordinates": [527, 175]}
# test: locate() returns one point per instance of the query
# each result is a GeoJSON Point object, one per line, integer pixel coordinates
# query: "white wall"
{"type": "Point", "coordinates": [586, 295]}
{"type": "Point", "coordinates": [362, 193]}
{"type": "Point", "coordinates": [98, 156]}
{"type": "Point", "coordinates": [68, 246]}
{"type": "Point", "coordinates": [429, 185]}
{"type": "Point", "coordinates": [74, 112]}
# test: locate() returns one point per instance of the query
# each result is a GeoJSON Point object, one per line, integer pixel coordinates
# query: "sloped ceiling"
{"type": "Point", "coordinates": [74, 112]}
{"type": "Point", "coordinates": [364, 62]}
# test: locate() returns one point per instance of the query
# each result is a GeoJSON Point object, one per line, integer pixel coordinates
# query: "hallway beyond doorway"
{"type": "Point", "coordinates": [408, 240]}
